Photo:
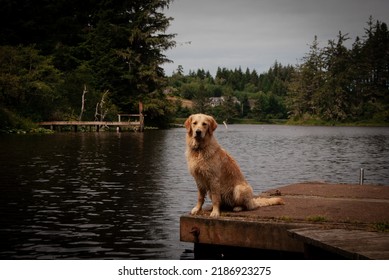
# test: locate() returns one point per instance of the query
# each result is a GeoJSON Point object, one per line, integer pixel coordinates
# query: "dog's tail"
{"type": "Point", "coordinates": [264, 201]}
{"type": "Point", "coordinates": [257, 202]}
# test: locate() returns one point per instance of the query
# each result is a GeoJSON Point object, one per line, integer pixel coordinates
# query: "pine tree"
{"type": "Point", "coordinates": [129, 44]}
{"type": "Point", "coordinates": [334, 97]}
{"type": "Point", "coordinates": [304, 96]}
{"type": "Point", "coordinates": [376, 53]}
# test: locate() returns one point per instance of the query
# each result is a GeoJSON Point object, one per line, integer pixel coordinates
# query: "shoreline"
{"type": "Point", "coordinates": [179, 122]}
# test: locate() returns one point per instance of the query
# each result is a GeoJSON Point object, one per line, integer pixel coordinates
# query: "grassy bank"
{"type": "Point", "coordinates": [11, 122]}
{"type": "Point", "coordinates": [363, 123]}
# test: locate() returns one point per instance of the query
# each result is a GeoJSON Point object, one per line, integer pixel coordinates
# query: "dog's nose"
{"type": "Point", "coordinates": [198, 132]}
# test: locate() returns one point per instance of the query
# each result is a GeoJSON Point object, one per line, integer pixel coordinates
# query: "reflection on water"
{"type": "Point", "coordinates": [120, 196]}
{"type": "Point", "coordinates": [90, 196]}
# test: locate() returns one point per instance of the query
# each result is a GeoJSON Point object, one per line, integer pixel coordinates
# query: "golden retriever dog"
{"type": "Point", "coordinates": [216, 173]}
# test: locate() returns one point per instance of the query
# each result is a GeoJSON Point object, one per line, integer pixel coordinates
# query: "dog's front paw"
{"type": "Point", "coordinates": [195, 210]}
{"type": "Point", "coordinates": [215, 214]}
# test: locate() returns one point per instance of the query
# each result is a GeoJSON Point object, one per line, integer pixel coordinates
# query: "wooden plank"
{"type": "Point", "coordinates": [352, 244]}
{"type": "Point", "coordinates": [240, 233]}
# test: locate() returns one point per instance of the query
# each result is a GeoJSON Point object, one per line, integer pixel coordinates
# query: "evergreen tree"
{"type": "Point", "coordinates": [376, 55]}
{"type": "Point", "coordinates": [229, 109]}
{"type": "Point", "coordinates": [201, 99]}
{"type": "Point", "coordinates": [144, 25]}
{"type": "Point", "coordinates": [333, 98]}
{"type": "Point", "coordinates": [306, 82]}
{"type": "Point", "coordinates": [269, 106]}
{"type": "Point", "coordinates": [359, 71]}
{"type": "Point", "coordinates": [245, 107]}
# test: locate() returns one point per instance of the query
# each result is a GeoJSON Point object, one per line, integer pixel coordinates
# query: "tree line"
{"type": "Point", "coordinates": [244, 94]}
{"type": "Point", "coordinates": [331, 84]}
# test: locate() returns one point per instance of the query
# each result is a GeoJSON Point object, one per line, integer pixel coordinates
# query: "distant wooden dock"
{"type": "Point", "coordinates": [137, 124]}
{"type": "Point", "coordinates": [318, 221]}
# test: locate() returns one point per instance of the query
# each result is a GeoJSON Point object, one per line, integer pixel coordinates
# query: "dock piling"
{"type": "Point", "coordinates": [361, 176]}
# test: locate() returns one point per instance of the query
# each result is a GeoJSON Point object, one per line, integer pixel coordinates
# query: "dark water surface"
{"type": "Point", "coordinates": [120, 196]}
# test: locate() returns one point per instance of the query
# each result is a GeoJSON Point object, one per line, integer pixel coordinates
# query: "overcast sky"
{"type": "Point", "coordinates": [256, 33]}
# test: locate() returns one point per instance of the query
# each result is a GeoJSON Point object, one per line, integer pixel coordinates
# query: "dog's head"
{"type": "Point", "coordinates": [199, 126]}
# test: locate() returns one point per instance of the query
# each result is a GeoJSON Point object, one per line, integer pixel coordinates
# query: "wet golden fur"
{"type": "Point", "coordinates": [216, 172]}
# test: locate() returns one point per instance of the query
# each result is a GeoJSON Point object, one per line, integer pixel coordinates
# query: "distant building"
{"type": "Point", "coordinates": [217, 101]}
{"type": "Point", "coordinates": [252, 103]}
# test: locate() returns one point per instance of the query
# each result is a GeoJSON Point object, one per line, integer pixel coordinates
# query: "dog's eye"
{"type": "Point", "coordinates": [194, 123]}
{"type": "Point", "coordinates": [204, 124]}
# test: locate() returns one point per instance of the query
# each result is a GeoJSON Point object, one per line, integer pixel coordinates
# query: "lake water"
{"type": "Point", "coordinates": [120, 195]}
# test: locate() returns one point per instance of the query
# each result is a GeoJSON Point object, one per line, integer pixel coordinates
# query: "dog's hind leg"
{"type": "Point", "coordinates": [243, 198]}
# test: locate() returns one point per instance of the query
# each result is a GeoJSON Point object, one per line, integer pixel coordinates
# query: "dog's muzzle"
{"type": "Point", "coordinates": [198, 133]}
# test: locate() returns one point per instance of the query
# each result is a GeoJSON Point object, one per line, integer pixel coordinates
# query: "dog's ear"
{"type": "Point", "coordinates": [212, 125]}
{"type": "Point", "coordinates": [188, 125]}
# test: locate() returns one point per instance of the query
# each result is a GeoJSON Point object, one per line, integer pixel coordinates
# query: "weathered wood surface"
{"type": "Point", "coordinates": [238, 233]}
{"type": "Point", "coordinates": [352, 244]}
{"type": "Point", "coordinates": [318, 206]}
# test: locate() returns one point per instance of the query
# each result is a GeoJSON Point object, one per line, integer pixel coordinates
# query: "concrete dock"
{"type": "Point", "coordinates": [318, 221]}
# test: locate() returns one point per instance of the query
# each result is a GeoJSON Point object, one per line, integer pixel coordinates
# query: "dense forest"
{"type": "Point", "coordinates": [54, 52]}
{"type": "Point", "coordinates": [89, 60]}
